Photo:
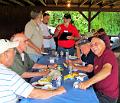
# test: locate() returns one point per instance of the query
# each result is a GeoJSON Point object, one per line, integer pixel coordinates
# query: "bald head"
{"type": "Point", "coordinates": [22, 39]}
{"type": "Point", "coordinates": [97, 46]}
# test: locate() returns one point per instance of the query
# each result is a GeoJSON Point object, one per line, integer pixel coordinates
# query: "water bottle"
{"type": "Point", "coordinates": [58, 81]}
{"type": "Point", "coordinates": [67, 55]}
{"type": "Point", "coordinates": [70, 69]}
{"type": "Point", "coordinates": [61, 53]}
{"type": "Point", "coordinates": [57, 56]}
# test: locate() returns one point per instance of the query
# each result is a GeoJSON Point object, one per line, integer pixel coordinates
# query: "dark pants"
{"type": "Point", "coordinates": [71, 50]}
{"type": "Point", "coordinates": [105, 99]}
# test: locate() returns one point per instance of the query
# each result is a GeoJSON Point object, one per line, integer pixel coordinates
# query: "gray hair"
{"type": "Point", "coordinates": [35, 14]}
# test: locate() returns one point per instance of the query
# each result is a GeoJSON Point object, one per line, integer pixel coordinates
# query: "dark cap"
{"type": "Point", "coordinates": [84, 41]}
{"type": "Point", "coordinates": [100, 30]}
{"type": "Point", "coordinates": [67, 16]}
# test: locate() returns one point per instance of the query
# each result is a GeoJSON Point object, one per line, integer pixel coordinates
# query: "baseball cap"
{"type": "Point", "coordinates": [84, 41]}
{"type": "Point", "coordinates": [67, 16]}
{"type": "Point", "coordinates": [6, 44]}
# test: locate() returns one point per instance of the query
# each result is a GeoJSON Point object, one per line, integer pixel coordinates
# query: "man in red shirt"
{"type": "Point", "coordinates": [67, 42]}
{"type": "Point", "coordinates": [105, 79]}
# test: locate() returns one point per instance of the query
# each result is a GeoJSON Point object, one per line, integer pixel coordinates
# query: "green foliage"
{"type": "Point", "coordinates": [108, 20]}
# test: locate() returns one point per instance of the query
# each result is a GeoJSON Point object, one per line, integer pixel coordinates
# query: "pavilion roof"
{"type": "Point", "coordinates": [61, 5]}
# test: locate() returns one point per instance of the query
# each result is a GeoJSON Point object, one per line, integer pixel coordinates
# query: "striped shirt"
{"type": "Point", "coordinates": [12, 86]}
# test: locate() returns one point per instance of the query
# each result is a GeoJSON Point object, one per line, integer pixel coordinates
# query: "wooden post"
{"type": "Point", "coordinates": [89, 20]}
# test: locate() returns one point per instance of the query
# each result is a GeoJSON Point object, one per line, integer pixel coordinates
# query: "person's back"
{"type": "Point", "coordinates": [12, 85]}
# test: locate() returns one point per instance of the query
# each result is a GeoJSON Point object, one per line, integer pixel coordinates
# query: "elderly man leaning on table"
{"type": "Point", "coordinates": [22, 63]}
{"type": "Point", "coordinates": [86, 59]}
{"type": "Point", "coordinates": [12, 85]}
{"type": "Point", "coordinates": [105, 79]}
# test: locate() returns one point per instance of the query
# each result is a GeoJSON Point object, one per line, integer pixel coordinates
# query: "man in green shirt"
{"type": "Point", "coordinates": [22, 62]}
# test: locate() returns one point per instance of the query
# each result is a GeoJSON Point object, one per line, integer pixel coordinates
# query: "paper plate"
{"type": "Point", "coordinates": [43, 53]}
{"type": "Point", "coordinates": [72, 57]}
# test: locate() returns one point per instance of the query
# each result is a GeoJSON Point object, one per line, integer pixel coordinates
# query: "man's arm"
{"type": "Point", "coordinates": [45, 94]}
{"type": "Point", "coordinates": [38, 50]}
{"type": "Point", "coordinates": [58, 29]}
{"type": "Point", "coordinates": [105, 72]}
{"type": "Point", "coordinates": [88, 68]}
{"type": "Point", "coordinates": [41, 66]}
{"type": "Point", "coordinates": [33, 74]}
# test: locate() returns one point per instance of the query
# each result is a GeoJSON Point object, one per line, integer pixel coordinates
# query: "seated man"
{"type": "Point", "coordinates": [22, 62]}
{"type": "Point", "coordinates": [87, 58]}
{"type": "Point", "coordinates": [11, 84]}
{"type": "Point", "coordinates": [105, 79]}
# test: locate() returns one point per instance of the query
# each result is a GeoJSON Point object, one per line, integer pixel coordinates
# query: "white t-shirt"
{"type": "Point", "coordinates": [48, 43]}
{"type": "Point", "coordinates": [12, 86]}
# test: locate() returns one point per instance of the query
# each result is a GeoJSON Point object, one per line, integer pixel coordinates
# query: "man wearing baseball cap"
{"type": "Point", "coordinates": [67, 43]}
{"type": "Point", "coordinates": [11, 84]}
{"type": "Point", "coordinates": [86, 59]}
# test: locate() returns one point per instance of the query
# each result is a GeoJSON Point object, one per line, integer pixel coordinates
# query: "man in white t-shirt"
{"type": "Point", "coordinates": [48, 40]}
{"type": "Point", "coordinates": [11, 84]}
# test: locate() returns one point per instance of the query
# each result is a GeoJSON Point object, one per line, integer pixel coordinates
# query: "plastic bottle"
{"type": "Point", "coordinates": [58, 81]}
{"type": "Point", "coordinates": [67, 55]}
{"type": "Point", "coordinates": [61, 53]}
{"type": "Point", "coordinates": [57, 56]}
{"type": "Point", "coordinates": [70, 69]}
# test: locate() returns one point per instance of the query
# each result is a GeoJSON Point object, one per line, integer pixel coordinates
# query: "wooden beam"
{"type": "Point", "coordinates": [108, 4]}
{"type": "Point", "coordinates": [17, 2]}
{"type": "Point", "coordinates": [96, 2]}
{"type": "Point", "coordinates": [56, 2]}
{"type": "Point", "coordinates": [29, 2]}
{"type": "Point", "coordinates": [43, 2]}
{"type": "Point", "coordinates": [89, 19]}
{"type": "Point", "coordinates": [95, 15]}
{"type": "Point", "coordinates": [4, 2]}
{"type": "Point", "coordinates": [84, 1]}
{"type": "Point", "coordinates": [83, 15]}
{"type": "Point", "coordinates": [64, 8]}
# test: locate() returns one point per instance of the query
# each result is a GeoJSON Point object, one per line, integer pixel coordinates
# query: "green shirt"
{"type": "Point", "coordinates": [20, 66]}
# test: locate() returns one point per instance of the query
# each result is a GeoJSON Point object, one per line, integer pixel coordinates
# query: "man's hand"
{"type": "Point", "coordinates": [52, 66]}
{"type": "Point", "coordinates": [70, 37]}
{"type": "Point", "coordinates": [84, 85]}
{"type": "Point", "coordinates": [61, 90]}
{"type": "Point", "coordinates": [48, 37]}
{"type": "Point", "coordinates": [44, 73]}
{"type": "Point", "coordinates": [58, 28]}
{"type": "Point", "coordinates": [38, 50]}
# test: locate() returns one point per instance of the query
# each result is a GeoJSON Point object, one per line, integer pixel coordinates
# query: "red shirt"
{"type": "Point", "coordinates": [67, 43]}
{"type": "Point", "coordinates": [108, 86]}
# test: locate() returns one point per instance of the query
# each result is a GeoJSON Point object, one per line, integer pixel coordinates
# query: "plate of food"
{"type": "Point", "coordinates": [44, 53]}
{"type": "Point", "coordinates": [81, 76]}
{"type": "Point", "coordinates": [78, 64]}
{"type": "Point", "coordinates": [72, 57]}
{"type": "Point", "coordinates": [47, 86]}
{"type": "Point", "coordinates": [37, 85]}
{"type": "Point", "coordinates": [71, 75]}
{"type": "Point", "coordinates": [44, 81]}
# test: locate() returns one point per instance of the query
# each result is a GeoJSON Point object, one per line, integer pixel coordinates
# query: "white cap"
{"type": "Point", "coordinates": [6, 44]}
